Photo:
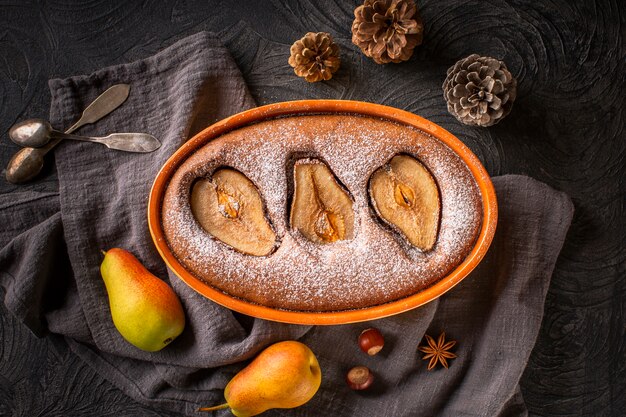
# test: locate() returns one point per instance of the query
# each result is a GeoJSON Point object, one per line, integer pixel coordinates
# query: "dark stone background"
{"type": "Point", "coordinates": [566, 129]}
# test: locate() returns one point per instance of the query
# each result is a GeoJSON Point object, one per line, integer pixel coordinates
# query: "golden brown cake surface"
{"type": "Point", "coordinates": [375, 266]}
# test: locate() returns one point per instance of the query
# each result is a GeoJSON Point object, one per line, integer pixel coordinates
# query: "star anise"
{"type": "Point", "coordinates": [437, 352]}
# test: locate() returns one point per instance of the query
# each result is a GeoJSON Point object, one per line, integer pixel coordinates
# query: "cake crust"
{"type": "Point", "coordinates": [375, 266]}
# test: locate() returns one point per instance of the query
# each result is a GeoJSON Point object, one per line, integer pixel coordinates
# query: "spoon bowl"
{"type": "Point", "coordinates": [33, 133]}
{"type": "Point", "coordinates": [25, 165]}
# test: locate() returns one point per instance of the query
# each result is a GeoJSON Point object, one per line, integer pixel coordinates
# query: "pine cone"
{"type": "Point", "coordinates": [387, 30]}
{"type": "Point", "coordinates": [479, 90]}
{"type": "Point", "coordinates": [315, 57]}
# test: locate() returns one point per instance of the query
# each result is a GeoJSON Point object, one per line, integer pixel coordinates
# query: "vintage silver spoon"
{"type": "Point", "coordinates": [38, 132]}
{"type": "Point", "coordinates": [27, 162]}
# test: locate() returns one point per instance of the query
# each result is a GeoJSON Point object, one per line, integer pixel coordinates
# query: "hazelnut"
{"type": "Point", "coordinates": [371, 341]}
{"type": "Point", "coordinates": [359, 378]}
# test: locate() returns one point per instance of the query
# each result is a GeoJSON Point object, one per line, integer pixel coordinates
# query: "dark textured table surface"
{"type": "Point", "coordinates": [566, 129]}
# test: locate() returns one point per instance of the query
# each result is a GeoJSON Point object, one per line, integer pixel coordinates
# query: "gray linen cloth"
{"type": "Point", "coordinates": [50, 257]}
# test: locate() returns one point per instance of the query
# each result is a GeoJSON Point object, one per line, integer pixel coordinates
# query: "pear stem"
{"type": "Point", "coordinates": [214, 408]}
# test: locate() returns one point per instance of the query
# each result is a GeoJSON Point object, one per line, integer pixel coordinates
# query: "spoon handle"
{"type": "Point", "coordinates": [129, 142]}
{"type": "Point", "coordinates": [104, 104]}
{"type": "Point", "coordinates": [48, 146]}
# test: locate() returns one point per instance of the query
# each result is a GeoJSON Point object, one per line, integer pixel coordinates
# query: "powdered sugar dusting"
{"type": "Point", "coordinates": [375, 267]}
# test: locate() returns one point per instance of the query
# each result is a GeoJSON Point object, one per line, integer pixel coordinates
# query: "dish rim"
{"type": "Point", "coordinates": [302, 107]}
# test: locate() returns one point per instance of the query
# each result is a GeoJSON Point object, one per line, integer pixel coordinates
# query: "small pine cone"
{"type": "Point", "coordinates": [479, 90]}
{"type": "Point", "coordinates": [387, 30]}
{"type": "Point", "coordinates": [315, 57]}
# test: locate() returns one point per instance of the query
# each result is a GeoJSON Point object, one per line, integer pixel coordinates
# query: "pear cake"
{"type": "Point", "coordinates": [322, 213]}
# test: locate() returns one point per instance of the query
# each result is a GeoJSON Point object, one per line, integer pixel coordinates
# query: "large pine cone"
{"type": "Point", "coordinates": [479, 90]}
{"type": "Point", "coordinates": [315, 57]}
{"type": "Point", "coordinates": [387, 30]}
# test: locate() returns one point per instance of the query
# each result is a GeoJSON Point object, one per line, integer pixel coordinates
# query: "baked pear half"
{"type": "Point", "coordinates": [321, 209]}
{"type": "Point", "coordinates": [405, 196]}
{"type": "Point", "coordinates": [229, 207]}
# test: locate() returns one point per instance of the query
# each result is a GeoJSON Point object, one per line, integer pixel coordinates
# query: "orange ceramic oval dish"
{"type": "Point", "coordinates": [478, 251]}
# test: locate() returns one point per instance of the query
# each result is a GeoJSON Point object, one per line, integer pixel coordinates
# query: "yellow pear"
{"type": "Point", "coordinates": [145, 310]}
{"type": "Point", "coordinates": [285, 375]}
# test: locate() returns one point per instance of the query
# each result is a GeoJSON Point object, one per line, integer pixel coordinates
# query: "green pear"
{"type": "Point", "coordinates": [285, 375]}
{"type": "Point", "coordinates": [145, 310]}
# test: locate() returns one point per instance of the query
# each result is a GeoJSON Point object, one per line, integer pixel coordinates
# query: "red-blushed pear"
{"type": "Point", "coordinates": [145, 310]}
{"type": "Point", "coordinates": [284, 375]}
